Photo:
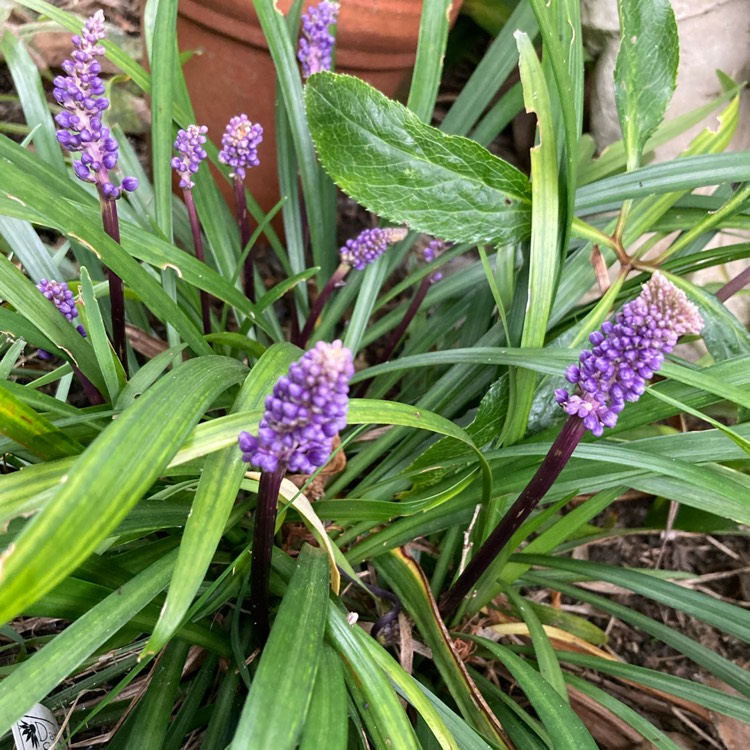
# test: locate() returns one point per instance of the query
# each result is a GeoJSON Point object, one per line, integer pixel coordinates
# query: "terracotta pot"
{"type": "Point", "coordinates": [376, 41]}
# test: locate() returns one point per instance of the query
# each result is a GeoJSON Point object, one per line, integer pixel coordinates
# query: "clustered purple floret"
{"type": "Point", "coordinates": [316, 42]}
{"type": "Point", "coordinates": [81, 94]}
{"type": "Point", "coordinates": [627, 353]}
{"type": "Point", "coordinates": [189, 146]}
{"type": "Point", "coordinates": [60, 295]}
{"type": "Point", "coordinates": [239, 145]}
{"type": "Point", "coordinates": [369, 245]}
{"type": "Point", "coordinates": [434, 248]}
{"type": "Point", "coordinates": [307, 408]}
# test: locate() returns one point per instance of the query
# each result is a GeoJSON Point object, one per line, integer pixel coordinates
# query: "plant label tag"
{"type": "Point", "coordinates": [37, 730]}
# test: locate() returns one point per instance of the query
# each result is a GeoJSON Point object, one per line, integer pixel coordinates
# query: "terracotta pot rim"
{"type": "Point", "coordinates": [248, 33]}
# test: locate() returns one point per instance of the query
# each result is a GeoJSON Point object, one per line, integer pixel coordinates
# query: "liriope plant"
{"type": "Point", "coordinates": [234, 549]}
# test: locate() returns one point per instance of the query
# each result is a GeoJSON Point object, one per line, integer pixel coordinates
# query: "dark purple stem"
{"type": "Point", "coordinates": [734, 286]}
{"type": "Point", "coordinates": [398, 332]}
{"type": "Point", "coordinates": [554, 462]}
{"type": "Point", "coordinates": [263, 534]}
{"type": "Point", "coordinates": [116, 292]}
{"type": "Point", "coordinates": [336, 278]}
{"type": "Point", "coordinates": [92, 392]}
{"type": "Point", "coordinates": [243, 220]}
{"type": "Point", "coordinates": [195, 227]}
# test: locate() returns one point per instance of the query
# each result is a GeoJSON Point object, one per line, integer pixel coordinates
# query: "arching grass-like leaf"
{"type": "Point", "coordinates": [214, 498]}
{"type": "Point", "coordinates": [28, 84]}
{"type": "Point", "coordinates": [695, 692]}
{"type": "Point", "coordinates": [275, 709]}
{"type": "Point", "coordinates": [724, 669]}
{"type": "Point", "coordinates": [558, 718]}
{"type": "Point", "coordinates": [428, 67]}
{"type": "Point", "coordinates": [715, 612]}
{"type": "Point", "coordinates": [108, 479]}
{"type": "Point", "coordinates": [33, 679]}
{"type": "Point", "coordinates": [27, 428]}
{"type": "Point", "coordinates": [326, 722]}
{"type": "Point", "coordinates": [409, 584]}
{"type": "Point", "coordinates": [545, 230]}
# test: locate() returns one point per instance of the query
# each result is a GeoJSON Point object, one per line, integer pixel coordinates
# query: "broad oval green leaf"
{"type": "Point", "coordinates": [387, 159]}
{"type": "Point", "coordinates": [646, 70]}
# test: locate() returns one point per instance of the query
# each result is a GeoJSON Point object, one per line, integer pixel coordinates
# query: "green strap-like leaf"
{"type": "Point", "coordinates": [33, 679]}
{"type": "Point", "coordinates": [660, 740]}
{"type": "Point", "coordinates": [375, 698]}
{"type": "Point", "coordinates": [691, 690]}
{"type": "Point", "coordinates": [45, 318]}
{"type": "Point", "coordinates": [31, 430]}
{"type": "Point", "coordinates": [433, 36]}
{"type": "Point", "coordinates": [275, 709]}
{"type": "Point", "coordinates": [561, 722]}
{"type": "Point", "coordinates": [549, 666]}
{"type": "Point", "coordinates": [163, 56]}
{"type": "Point", "coordinates": [28, 84]}
{"type": "Point", "coordinates": [290, 89]}
{"type": "Point", "coordinates": [214, 499]}
{"type": "Point", "coordinates": [646, 70]}
{"type": "Point", "coordinates": [326, 724]}
{"type": "Point", "coordinates": [417, 696]}
{"type": "Point", "coordinates": [686, 173]}
{"type": "Point", "coordinates": [25, 244]}
{"type": "Point", "coordinates": [491, 73]}
{"type": "Point", "coordinates": [147, 726]}
{"type": "Point", "coordinates": [715, 612]}
{"type": "Point", "coordinates": [409, 584]}
{"type": "Point", "coordinates": [387, 159]}
{"type": "Point", "coordinates": [545, 222]}
{"type": "Point", "coordinates": [108, 480]}
{"type": "Point", "coordinates": [722, 668]}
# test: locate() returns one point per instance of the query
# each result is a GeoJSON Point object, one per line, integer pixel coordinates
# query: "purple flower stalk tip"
{"type": "Point", "coordinates": [369, 245]}
{"type": "Point", "coordinates": [316, 42]}
{"type": "Point", "coordinates": [434, 248]}
{"type": "Point", "coordinates": [307, 408]}
{"type": "Point", "coordinates": [239, 145]}
{"type": "Point", "coordinates": [189, 146]}
{"type": "Point", "coordinates": [59, 293]}
{"type": "Point", "coordinates": [627, 353]}
{"type": "Point", "coordinates": [81, 94]}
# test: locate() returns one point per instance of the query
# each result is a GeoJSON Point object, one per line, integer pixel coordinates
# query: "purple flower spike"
{"type": "Point", "coordinates": [189, 146]}
{"type": "Point", "coordinates": [434, 248]}
{"type": "Point", "coordinates": [81, 94]}
{"type": "Point", "coordinates": [369, 245]}
{"type": "Point", "coordinates": [307, 408]}
{"type": "Point", "coordinates": [627, 353]}
{"type": "Point", "coordinates": [316, 42]}
{"type": "Point", "coordinates": [59, 293]}
{"type": "Point", "coordinates": [239, 145]}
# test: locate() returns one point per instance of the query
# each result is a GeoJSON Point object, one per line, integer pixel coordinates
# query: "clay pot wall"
{"type": "Point", "coordinates": [376, 40]}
